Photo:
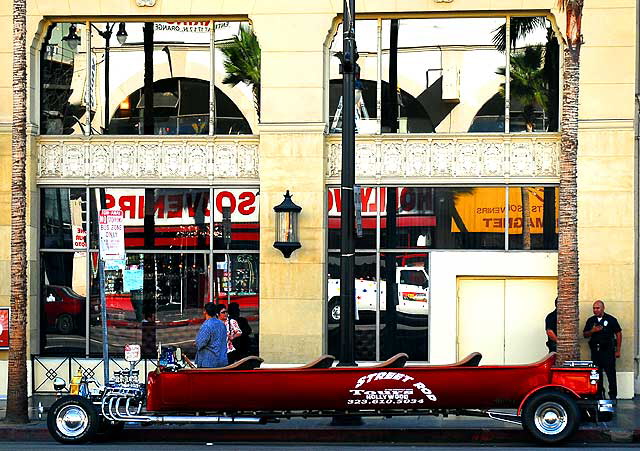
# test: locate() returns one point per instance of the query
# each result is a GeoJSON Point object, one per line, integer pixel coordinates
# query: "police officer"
{"type": "Point", "coordinates": [605, 340]}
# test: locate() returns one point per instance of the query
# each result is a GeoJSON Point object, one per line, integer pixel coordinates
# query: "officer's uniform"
{"type": "Point", "coordinates": [603, 349]}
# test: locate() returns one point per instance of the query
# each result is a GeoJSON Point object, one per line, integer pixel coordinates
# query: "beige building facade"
{"type": "Point", "coordinates": [467, 157]}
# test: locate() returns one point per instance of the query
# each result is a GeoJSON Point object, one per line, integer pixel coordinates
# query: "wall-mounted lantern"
{"type": "Point", "coordinates": [72, 39]}
{"type": "Point", "coordinates": [287, 226]}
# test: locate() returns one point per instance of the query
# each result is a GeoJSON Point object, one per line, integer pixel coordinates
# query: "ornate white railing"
{"type": "Point", "coordinates": [199, 159]}
{"type": "Point", "coordinates": [450, 158]}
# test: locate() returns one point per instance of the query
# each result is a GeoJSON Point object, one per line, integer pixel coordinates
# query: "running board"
{"type": "Point", "coordinates": [202, 419]}
{"type": "Point", "coordinates": [505, 417]}
{"type": "Point", "coordinates": [500, 416]}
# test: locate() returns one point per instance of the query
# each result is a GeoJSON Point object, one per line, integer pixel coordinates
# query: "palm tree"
{"type": "Point", "coordinates": [17, 411]}
{"type": "Point", "coordinates": [568, 271]}
{"type": "Point", "coordinates": [568, 275]}
{"type": "Point", "coordinates": [242, 62]}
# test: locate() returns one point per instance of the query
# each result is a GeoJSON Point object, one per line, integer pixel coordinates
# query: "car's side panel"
{"type": "Point", "coordinates": [419, 388]}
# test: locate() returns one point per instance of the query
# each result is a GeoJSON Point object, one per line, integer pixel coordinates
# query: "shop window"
{"type": "Point", "coordinates": [534, 75]}
{"type": "Point", "coordinates": [157, 292]}
{"type": "Point", "coordinates": [178, 218]}
{"type": "Point", "coordinates": [416, 217]}
{"type": "Point", "coordinates": [62, 75]}
{"type": "Point", "coordinates": [447, 75]}
{"type": "Point", "coordinates": [392, 308]}
{"type": "Point", "coordinates": [164, 64]}
{"type": "Point", "coordinates": [150, 299]}
{"type": "Point", "coordinates": [63, 303]}
{"type": "Point", "coordinates": [63, 218]}
{"type": "Point", "coordinates": [533, 217]}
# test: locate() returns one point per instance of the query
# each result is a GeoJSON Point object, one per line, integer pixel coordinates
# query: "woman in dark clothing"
{"type": "Point", "coordinates": [243, 342]}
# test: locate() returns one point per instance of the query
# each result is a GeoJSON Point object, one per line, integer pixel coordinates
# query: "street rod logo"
{"type": "Point", "coordinates": [389, 395]}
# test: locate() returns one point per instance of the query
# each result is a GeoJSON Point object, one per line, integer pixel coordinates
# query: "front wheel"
{"type": "Point", "coordinates": [72, 419]}
{"type": "Point", "coordinates": [550, 417]}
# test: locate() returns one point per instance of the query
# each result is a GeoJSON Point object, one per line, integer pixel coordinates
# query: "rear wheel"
{"type": "Point", "coordinates": [334, 310]}
{"type": "Point", "coordinates": [72, 419]}
{"type": "Point", "coordinates": [64, 324]}
{"type": "Point", "coordinates": [550, 417]}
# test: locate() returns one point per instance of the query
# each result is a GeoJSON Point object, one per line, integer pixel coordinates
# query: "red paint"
{"type": "Point", "coordinates": [271, 390]}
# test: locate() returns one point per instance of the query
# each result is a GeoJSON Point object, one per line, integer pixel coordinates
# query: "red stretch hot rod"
{"type": "Point", "coordinates": [551, 402]}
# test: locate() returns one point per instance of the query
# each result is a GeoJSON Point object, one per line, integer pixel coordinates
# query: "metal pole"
{"type": "Point", "coordinates": [103, 320]}
{"type": "Point", "coordinates": [347, 256]}
{"type": "Point", "coordinates": [107, 116]}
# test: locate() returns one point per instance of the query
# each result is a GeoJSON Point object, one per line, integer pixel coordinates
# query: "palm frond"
{"type": "Point", "coordinates": [242, 61]}
{"type": "Point", "coordinates": [520, 28]}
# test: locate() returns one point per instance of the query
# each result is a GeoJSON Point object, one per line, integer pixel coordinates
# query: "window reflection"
{"type": "Point", "coordinates": [168, 290]}
{"type": "Point", "coordinates": [366, 287]}
{"type": "Point", "coordinates": [63, 80]}
{"type": "Point", "coordinates": [401, 296]}
{"type": "Point", "coordinates": [64, 215]}
{"type": "Point", "coordinates": [534, 70]}
{"type": "Point", "coordinates": [533, 217]}
{"type": "Point", "coordinates": [63, 290]}
{"type": "Point", "coordinates": [153, 81]}
{"type": "Point", "coordinates": [404, 305]}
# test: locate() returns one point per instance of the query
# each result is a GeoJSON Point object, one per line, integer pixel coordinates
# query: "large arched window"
{"type": "Point", "coordinates": [448, 75]}
{"type": "Point", "coordinates": [95, 78]}
{"type": "Point", "coordinates": [181, 107]}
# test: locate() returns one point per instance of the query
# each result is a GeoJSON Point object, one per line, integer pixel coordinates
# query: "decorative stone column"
{"type": "Point", "coordinates": [292, 158]}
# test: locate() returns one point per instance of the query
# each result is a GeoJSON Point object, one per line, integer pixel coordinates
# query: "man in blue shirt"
{"type": "Point", "coordinates": [211, 341]}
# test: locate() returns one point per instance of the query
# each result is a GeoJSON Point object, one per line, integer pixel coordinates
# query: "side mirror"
{"type": "Point", "coordinates": [179, 354]}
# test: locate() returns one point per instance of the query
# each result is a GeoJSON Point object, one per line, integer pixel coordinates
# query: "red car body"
{"type": "Point", "coordinates": [343, 388]}
{"type": "Point", "coordinates": [63, 308]}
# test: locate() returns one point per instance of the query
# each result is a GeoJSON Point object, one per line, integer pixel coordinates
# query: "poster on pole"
{"type": "Point", "coordinates": [4, 328]}
{"type": "Point", "coordinates": [111, 232]}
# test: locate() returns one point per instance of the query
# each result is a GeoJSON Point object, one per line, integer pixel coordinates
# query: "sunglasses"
{"type": "Point", "coordinates": [223, 311]}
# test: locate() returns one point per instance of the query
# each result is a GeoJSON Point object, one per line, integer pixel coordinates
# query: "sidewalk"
{"type": "Point", "coordinates": [625, 428]}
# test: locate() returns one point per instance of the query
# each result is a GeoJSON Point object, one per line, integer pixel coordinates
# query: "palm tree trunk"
{"type": "Point", "coordinates": [568, 271]}
{"type": "Point", "coordinates": [17, 411]}
{"type": "Point", "coordinates": [526, 218]}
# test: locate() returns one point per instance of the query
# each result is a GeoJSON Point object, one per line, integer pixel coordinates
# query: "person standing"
{"type": "Point", "coordinates": [243, 342]}
{"type": "Point", "coordinates": [211, 341]}
{"type": "Point", "coordinates": [551, 326]}
{"type": "Point", "coordinates": [605, 340]}
{"type": "Point", "coordinates": [233, 331]}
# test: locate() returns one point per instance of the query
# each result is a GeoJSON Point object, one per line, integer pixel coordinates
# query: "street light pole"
{"type": "Point", "coordinates": [347, 255]}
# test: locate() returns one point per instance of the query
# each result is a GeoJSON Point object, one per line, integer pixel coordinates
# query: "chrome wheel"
{"type": "Point", "coordinates": [550, 418]}
{"type": "Point", "coordinates": [335, 312]}
{"type": "Point", "coordinates": [72, 420]}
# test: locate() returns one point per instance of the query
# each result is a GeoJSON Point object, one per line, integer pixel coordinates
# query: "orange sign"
{"type": "Point", "coordinates": [483, 209]}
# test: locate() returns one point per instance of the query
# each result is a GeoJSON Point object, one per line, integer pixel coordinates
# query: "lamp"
{"type": "Point", "coordinates": [72, 37]}
{"type": "Point", "coordinates": [121, 35]}
{"type": "Point", "coordinates": [287, 226]}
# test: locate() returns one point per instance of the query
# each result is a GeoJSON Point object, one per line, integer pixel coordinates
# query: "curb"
{"type": "Point", "coordinates": [35, 432]}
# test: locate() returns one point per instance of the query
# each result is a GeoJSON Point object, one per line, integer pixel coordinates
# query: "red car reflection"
{"type": "Point", "coordinates": [64, 309]}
